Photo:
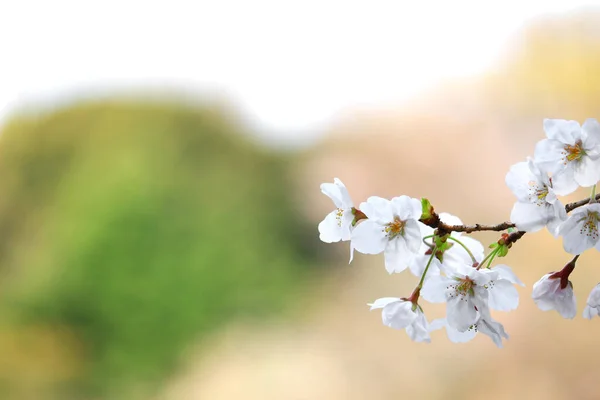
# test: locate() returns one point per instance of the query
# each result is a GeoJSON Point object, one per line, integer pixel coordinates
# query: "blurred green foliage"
{"type": "Point", "coordinates": [142, 226]}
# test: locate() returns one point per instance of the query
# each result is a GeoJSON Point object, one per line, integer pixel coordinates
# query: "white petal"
{"type": "Point", "coordinates": [346, 228]}
{"type": "Point", "coordinates": [505, 272]}
{"type": "Point", "coordinates": [563, 183]}
{"type": "Point", "coordinates": [586, 171]}
{"type": "Point", "coordinates": [332, 191]}
{"type": "Point", "coordinates": [434, 289]}
{"type": "Point", "coordinates": [529, 217]}
{"type": "Point", "coordinates": [398, 315]}
{"type": "Point", "coordinates": [562, 130]}
{"type": "Point", "coordinates": [406, 207]}
{"type": "Point", "coordinates": [418, 331]}
{"type": "Point", "coordinates": [345, 196]}
{"type": "Point", "coordinates": [518, 178]}
{"type": "Point", "coordinates": [591, 132]}
{"type": "Point", "coordinates": [329, 229]}
{"type": "Point", "coordinates": [461, 313]}
{"type": "Point", "coordinates": [456, 336]}
{"type": "Point", "coordinates": [548, 155]}
{"type": "Point", "coordinates": [594, 297]}
{"type": "Point", "coordinates": [397, 256]}
{"type": "Point", "coordinates": [412, 235]}
{"type": "Point", "coordinates": [382, 302]}
{"type": "Point", "coordinates": [565, 303]}
{"type": "Point", "coordinates": [493, 329]}
{"type": "Point", "coordinates": [589, 312]}
{"type": "Point", "coordinates": [503, 296]}
{"type": "Point", "coordinates": [377, 208]}
{"type": "Point", "coordinates": [368, 237]}
{"type": "Point", "coordinates": [437, 324]}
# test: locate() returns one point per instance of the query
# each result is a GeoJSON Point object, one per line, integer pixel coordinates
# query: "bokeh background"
{"type": "Point", "coordinates": [159, 193]}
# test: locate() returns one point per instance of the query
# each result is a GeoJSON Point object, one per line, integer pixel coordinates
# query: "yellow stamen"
{"type": "Point", "coordinates": [395, 228]}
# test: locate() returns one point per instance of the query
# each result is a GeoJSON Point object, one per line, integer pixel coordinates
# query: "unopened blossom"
{"type": "Point", "coordinates": [337, 224]}
{"type": "Point", "coordinates": [580, 230]}
{"type": "Point", "coordinates": [484, 324]}
{"type": "Point", "coordinates": [403, 314]}
{"type": "Point", "coordinates": [592, 306]}
{"type": "Point", "coordinates": [392, 227]}
{"type": "Point", "coordinates": [537, 205]}
{"type": "Point", "coordinates": [571, 150]}
{"type": "Point", "coordinates": [502, 294]}
{"type": "Point", "coordinates": [464, 291]}
{"type": "Point", "coordinates": [552, 292]}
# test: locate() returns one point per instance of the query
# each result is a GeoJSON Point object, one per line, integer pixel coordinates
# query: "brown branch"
{"type": "Point", "coordinates": [571, 206]}
{"type": "Point", "coordinates": [474, 228]}
{"type": "Point", "coordinates": [435, 222]}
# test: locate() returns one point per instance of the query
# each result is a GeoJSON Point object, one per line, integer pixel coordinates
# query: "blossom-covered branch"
{"type": "Point", "coordinates": [455, 269]}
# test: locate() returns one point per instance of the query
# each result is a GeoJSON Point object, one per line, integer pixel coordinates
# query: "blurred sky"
{"type": "Point", "coordinates": [290, 66]}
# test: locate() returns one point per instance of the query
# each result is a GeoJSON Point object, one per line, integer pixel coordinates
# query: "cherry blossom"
{"type": "Point", "coordinates": [552, 293]}
{"type": "Point", "coordinates": [537, 205]}
{"type": "Point", "coordinates": [464, 291]}
{"type": "Point", "coordinates": [337, 224]}
{"type": "Point", "coordinates": [403, 314]}
{"type": "Point", "coordinates": [571, 149]}
{"type": "Point", "coordinates": [392, 227]}
{"type": "Point", "coordinates": [580, 230]}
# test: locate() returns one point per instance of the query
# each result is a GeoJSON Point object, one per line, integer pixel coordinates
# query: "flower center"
{"type": "Point", "coordinates": [465, 286]}
{"type": "Point", "coordinates": [590, 226]}
{"type": "Point", "coordinates": [573, 153]}
{"type": "Point", "coordinates": [537, 194]}
{"type": "Point", "coordinates": [338, 216]}
{"type": "Point", "coordinates": [395, 228]}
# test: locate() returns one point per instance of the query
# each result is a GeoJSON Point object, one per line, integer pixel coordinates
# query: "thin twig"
{"type": "Point", "coordinates": [571, 206]}
{"type": "Point", "coordinates": [436, 223]}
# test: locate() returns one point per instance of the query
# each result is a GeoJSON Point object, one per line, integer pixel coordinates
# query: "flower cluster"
{"type": "Point", "coordinates": [452, 268]}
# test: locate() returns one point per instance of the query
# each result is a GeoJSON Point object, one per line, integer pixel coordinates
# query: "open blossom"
{"type": "Point", "coordinates": [580, 230]}
{"type": "Point", "coordinates": [592, 306]}
{"type": "Point", "coordinates": [337, 224]}
{"type": "Point", "coordinates": [537, 205]}
{"type": "Point", "coordinates": [484, 324]}
{"type": "Point", "coordinates": [571, 150]}
{"type": "Point", "coordinates": [403, 314]}
{"type": "Point", "coordinates": [464, 291]}
{"type": "Point", "coordinates": [552, 292]}
{"type": "Point", "coordinates": [392, 227]}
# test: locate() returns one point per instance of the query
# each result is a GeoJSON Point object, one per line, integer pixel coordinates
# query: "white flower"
{"type": "Point", "coordinates": [392, 227]}
{"type": "Point", "coordinates": [537, 205]}
{"type": "Point", "coordinates": [571, 150]}
{"type": "Point", "coordinates": [580, 230]}
{"type": "Point", "coordinates": [486, 325]}
{"type": "Point", "coordinates": [592, 307]}
{"type": "Point", "coordinates": [465, 292]}
{"type": "Point", "coordinates": [402, 314]}
{"type": "Point", "coordinates": [549, 295]}
{"type": "Point", "coordinates": [337, 224]}
{"type": "Point", "coordinates": [503, 296]}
